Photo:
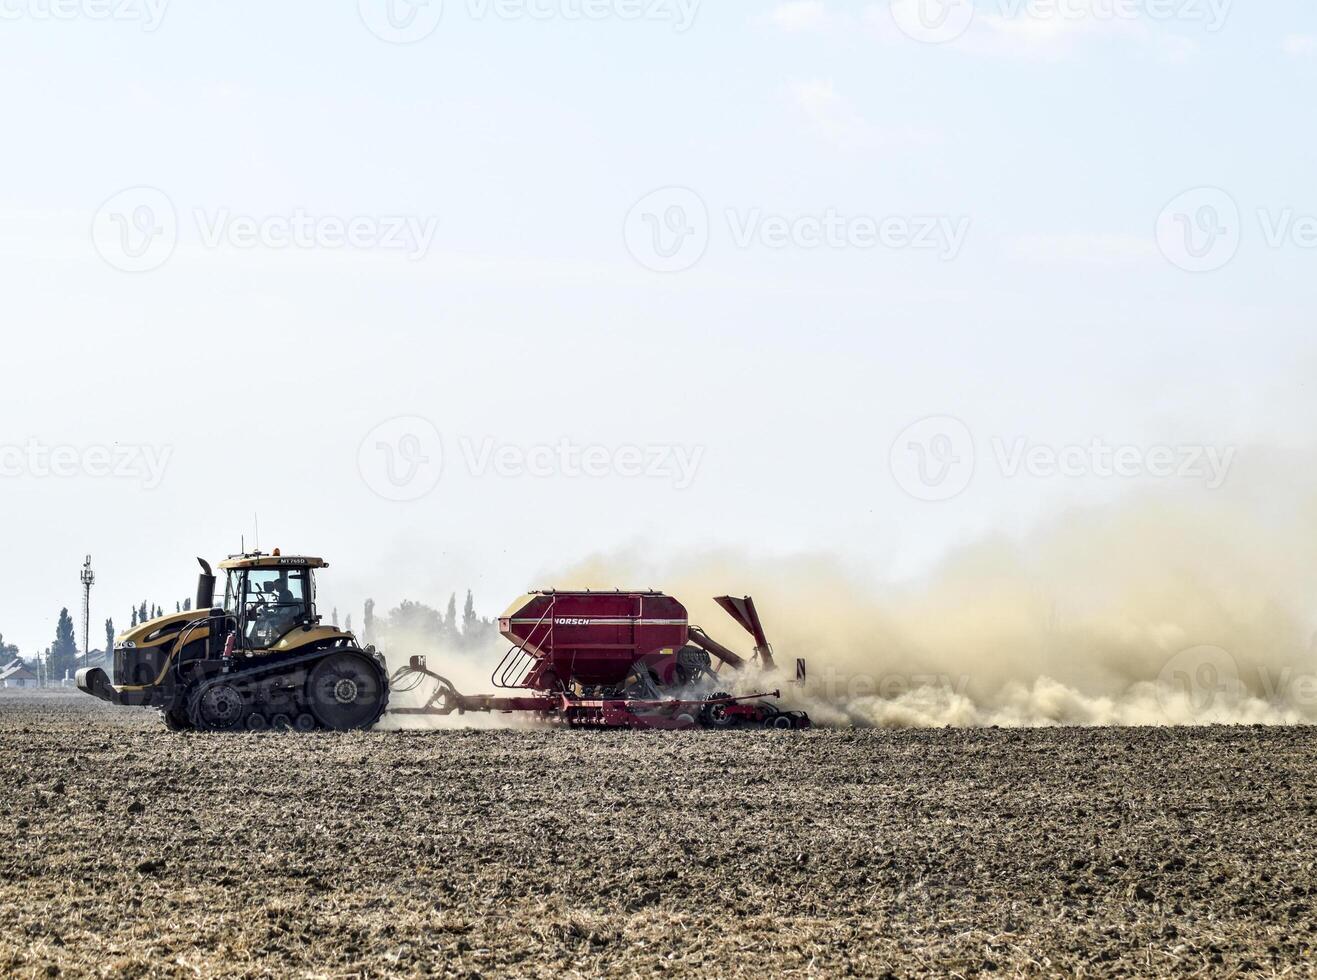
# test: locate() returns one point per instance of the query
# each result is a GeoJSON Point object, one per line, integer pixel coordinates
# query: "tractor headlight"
{"type": "Point", "coordinates": [130, 645]}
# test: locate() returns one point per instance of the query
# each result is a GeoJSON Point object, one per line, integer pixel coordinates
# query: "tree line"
{"type": "Point", "coordinates": [410, 624]}
{"type": "Point", "coordinates": [415, 625]}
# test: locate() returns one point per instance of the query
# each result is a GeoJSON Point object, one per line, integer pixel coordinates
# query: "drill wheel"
{"type": "Point", "coordinates": [714, 712]}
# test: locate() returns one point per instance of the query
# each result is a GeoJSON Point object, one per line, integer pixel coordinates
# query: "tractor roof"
{"type": "Point", "coordinates": [276, 560]}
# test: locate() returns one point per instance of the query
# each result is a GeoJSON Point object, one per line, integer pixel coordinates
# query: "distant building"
{"type": "Point", "coordinates": [17, 675]}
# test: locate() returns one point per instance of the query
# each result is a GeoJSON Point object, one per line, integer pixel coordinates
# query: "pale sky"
{"type": "Point", "coordinates": [667, 275]}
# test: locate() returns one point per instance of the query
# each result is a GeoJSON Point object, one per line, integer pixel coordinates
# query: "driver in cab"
{"type": "Point", "coordinates": [272, 613]}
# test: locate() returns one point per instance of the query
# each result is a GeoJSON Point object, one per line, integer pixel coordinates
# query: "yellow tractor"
{"type": "Point", "coordinates": [261, 659]}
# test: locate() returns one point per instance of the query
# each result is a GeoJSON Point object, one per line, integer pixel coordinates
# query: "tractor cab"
{"type": "Point", "coordinates": [269, 596]}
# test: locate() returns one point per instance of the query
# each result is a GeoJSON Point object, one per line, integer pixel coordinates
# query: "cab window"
{"type": "Point", "coordinates": [273, 602]}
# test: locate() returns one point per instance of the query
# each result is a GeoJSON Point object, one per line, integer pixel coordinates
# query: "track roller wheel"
{"type": "Point", "coordinates": [218, 707]}
{"type": "Point", "coordinates": [347, 690]}
{"type": "Point", "coordinates": [305, 723]}
{"type": "Point", "coordinates": [256, 722]}
{"type": "Point", "coordinates": [281, 723]}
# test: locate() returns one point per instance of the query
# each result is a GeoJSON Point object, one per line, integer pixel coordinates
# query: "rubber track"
{"type": "Point", "coordinates": [261, 672]}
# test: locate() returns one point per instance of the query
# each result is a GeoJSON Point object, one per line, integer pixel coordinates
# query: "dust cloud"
{"type": "Point", "coordinates": [468, 669]}
{"type": "Point", "coordinates": [1154, 611]}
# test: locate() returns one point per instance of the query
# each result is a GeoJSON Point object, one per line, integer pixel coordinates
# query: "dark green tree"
{"type": "Point", "coordinates": [109, 638]}
{"type": "Point", "coordinates": [8, 652]}
{"type": "Point", "coordinates": [414, 620]}
{"type": "Point", "coordinates": [143, 612]}
{"type": "Point", "coordinates": [368, 622]}
{"type": "Point", "coordinates": [187, 605]}
{"type": "Point", "coordinates": [450, 619]}
{"type": "Point", "coordinates": [133, 624]}
{"type": "Point", "coordinates": [470, 622]}
{"type": "Point", "coordinates": [64, 651]}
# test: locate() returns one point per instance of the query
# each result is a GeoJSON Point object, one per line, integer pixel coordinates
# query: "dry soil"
{"type": "Point", "coordinates": [127, 851]}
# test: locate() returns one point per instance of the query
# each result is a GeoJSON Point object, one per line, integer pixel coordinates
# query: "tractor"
{"type": "Point", "coordinates": [260, 659]}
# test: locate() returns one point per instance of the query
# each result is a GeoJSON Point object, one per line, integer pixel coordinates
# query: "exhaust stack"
{"type": "Point", "coordinates": [205, 586]}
